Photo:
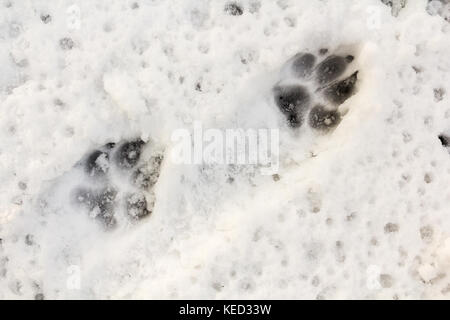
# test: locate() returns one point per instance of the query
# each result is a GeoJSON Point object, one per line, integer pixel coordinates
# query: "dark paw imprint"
{"type": "Point", "coordinates": [293, 101]}
{"type": "Point", "coordinates": [129, 153]}
{"type": "Point", "coordinates": [97, 164]}
{"type": "Point", "coordinates": [118, 180]}
{"type": "Point", "coordinates": [445, 140]}
{"type": "Point", "coordinates": [323, 119]}
{"type": "Point", "coordinates": [313, 90]}
{"type": "Point", "coordinates": [233, 9]}
{"type": "Point", "coordinates": [100, 204]}
{"type": "Point", "coordinates": [66, 43]}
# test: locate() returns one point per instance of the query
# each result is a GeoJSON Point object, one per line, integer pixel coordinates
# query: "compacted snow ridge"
{"type": "Point", "coordinates": [93, 206]}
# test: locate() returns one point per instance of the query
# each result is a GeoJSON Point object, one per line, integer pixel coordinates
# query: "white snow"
{"type": "Point", "coordinates": [365, 217]}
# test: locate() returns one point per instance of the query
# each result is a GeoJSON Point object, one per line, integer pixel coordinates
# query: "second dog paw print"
{"type": "Point", "coordinates": [312, 87]}
{"type": "Point", "coordinates": [119, 178]}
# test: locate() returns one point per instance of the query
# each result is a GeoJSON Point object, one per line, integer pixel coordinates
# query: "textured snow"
{"type": "Point", "coordinates": [361, 212]}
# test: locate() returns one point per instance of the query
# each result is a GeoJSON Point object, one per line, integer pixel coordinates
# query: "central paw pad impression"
{"type": "Point", "coordinates": [312, 88]}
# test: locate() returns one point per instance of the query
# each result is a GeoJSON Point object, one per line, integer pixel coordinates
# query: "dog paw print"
{"type": "Point", "coordinates": [445, 140]}
{"type": "Point", "coordinates": [312, 87]}
{"type": "Point", "coordinates": [119, 179]}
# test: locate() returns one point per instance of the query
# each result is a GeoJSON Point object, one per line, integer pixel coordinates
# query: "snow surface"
{"type": "Point", "coordinates": [361, 212]}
